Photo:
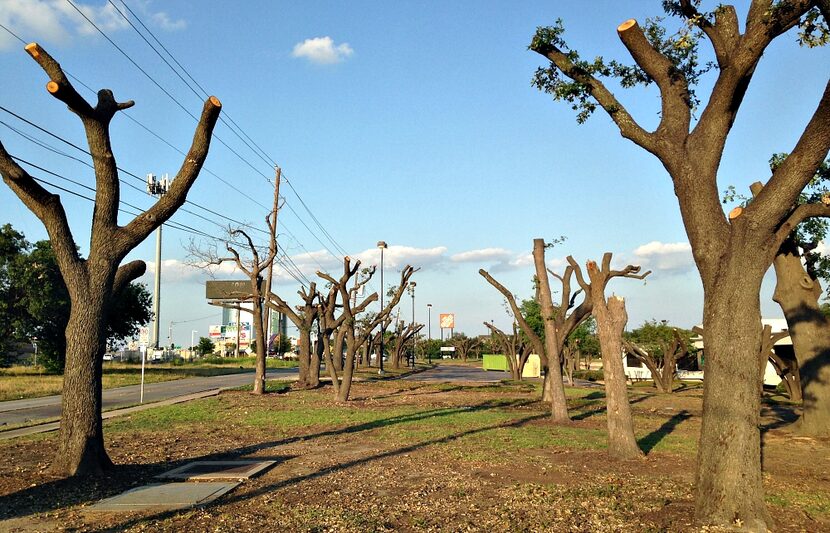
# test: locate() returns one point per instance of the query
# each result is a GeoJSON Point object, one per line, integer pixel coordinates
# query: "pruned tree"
{"type": "Point", "coordinates": [799, 268]}
{"type": "Point", "coordinates": [303, 317]}
{"type": "Point", "coordinates": [464, 345]}
{"type": "Point", "coordinates": [404, 333]}
{"type": "Point", "coordinates": [768, 355]}
{"type": "Point", "coordinates": [515, 347]}
{"type": "Point", "coordinates": [731, 253]}
{"type": "Point", "coordinates": [661, 361]}
{"type": "Point", "coordinates": [356, 334]}
{"type": "Point", "coordinates": [558, 324]}
{"type": "Point", "coordinates": [252, 265]}
{"type": "Point", "coordinates": [570, 361]}
{"type": "Point", "coordinates": [611, 318]}
{"type": "Point", "coordinates": [536, 342]}
{"type": "Point", "coordinates": [786, 367]}
{"type": "Point", "coordinates": [93, 281]}
{"type": "Point", "coordinates": [342, 324]}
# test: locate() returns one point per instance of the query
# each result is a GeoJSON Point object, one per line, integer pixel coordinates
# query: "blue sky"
{"type": "Point", "coordinates": [409, 122]}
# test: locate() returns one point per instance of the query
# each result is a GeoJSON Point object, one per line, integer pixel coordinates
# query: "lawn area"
{"type": "Point", "coordinates": [20, 382]}
{"type": "Point", "coordinates": [409, 456]}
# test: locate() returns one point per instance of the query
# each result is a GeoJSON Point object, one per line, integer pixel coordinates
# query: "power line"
{"type": "Point", "coordinates": [13, 34]}
{"type": "Point", "coordinates": [259, 151]}
{"type": "Point", "coordinates": [85, 151]}
{"type": "Point", "coordinates": [139, 209]}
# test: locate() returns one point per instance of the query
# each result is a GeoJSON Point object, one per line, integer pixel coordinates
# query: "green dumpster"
{"type": "Point", "coordinates": [490, 361]}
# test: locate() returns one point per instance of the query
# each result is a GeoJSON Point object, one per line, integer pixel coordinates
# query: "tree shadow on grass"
{"type": "Point", "coordinates": [651, 440]}
{"type": "Point", "coordinates": [78, 490]}
{"type": "Point", "coordinates": [588, 414]}
{"type": "Point", "coordinates": [235, 498]}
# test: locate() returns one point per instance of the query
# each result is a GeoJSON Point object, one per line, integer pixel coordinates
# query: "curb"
{"type": "Point", "coordinates": [52, 426]}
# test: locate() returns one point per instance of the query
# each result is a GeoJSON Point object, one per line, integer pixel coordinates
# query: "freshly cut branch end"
{"type": "Point", "coordinates": [215, 101]}
{"type": "Point", "coordinates": [33, 49]}
{"type": "Point", "coordinates": [735, 213]}
{"type": "Point", "coordinates": [592, 266]}
{"type": "Point", "coordinates": [627, 25]}
{"type": "Point", "coordinates": [52, 86]}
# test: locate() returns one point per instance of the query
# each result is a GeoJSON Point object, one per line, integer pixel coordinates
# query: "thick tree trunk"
{"type": "Point", "coordinates": [553, 344]}
{"type": "Point", "coordinates": [81, 439]}
{"type": "Point", "coordinates": [304, 379]}
{"type": "Point", "coordinates": [348, 373]}
{"type": "Point", "coordinates": [261, 346]}
{"type": "Point", "coordinates": [611, 319]}
{"type": "Point", "coordinates": [729, 480]}
{"type": "Point", "coordinates": [798, 294]}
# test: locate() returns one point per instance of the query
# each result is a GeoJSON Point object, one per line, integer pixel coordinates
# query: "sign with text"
{"type": "Point", "coordinates": [230, 290]}
{"type": "Point", "coordinates": [447, 320]}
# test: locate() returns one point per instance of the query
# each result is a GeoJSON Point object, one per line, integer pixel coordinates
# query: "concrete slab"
{"type": "Point", "coordinates": [166, 496]}
{"type": "Point", "coordinates": [204, 470]}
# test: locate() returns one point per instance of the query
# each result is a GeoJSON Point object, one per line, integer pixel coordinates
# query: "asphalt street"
{"type": "Point", "coordinates": [455, 373]}
{"type": "Point", "coordinates": [20, 411]}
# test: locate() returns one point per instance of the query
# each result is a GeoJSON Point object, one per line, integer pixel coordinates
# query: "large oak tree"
{"type": "Point", "coordinates": [732, 254]}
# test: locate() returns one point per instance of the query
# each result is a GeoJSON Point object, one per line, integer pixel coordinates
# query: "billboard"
{"type": "Point", "coordinates": [230, 290]}
{"type": "Point", "coordinates": [228, 333]}
{"type": "Point", "coordinates": [446, 320]}
{"type": "Point", "coordinates": [215, 332]}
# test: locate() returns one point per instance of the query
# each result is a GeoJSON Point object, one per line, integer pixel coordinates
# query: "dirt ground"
{"type": "Point", "coordinates": [413, 457]}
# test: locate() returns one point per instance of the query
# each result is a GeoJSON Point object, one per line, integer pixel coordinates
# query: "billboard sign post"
{"type": "Point", "coordinates": [446, 321]}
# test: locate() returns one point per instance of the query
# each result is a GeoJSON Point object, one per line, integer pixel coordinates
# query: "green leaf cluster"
{"type": "Point", "coordinates": [681, 48]}
{"type": "Point", "coordinates": [35, 304]}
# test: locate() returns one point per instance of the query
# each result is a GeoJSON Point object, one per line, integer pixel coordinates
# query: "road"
{"type": "Point", "coordinates": [20, 411]}
{"type": "Point", "coordinates": [446, 373]}
{"type": "Point", "coordinates": [455, 373]}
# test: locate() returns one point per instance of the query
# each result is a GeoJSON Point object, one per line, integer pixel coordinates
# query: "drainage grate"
{"type": "Point", "coordinates": [204, 470]}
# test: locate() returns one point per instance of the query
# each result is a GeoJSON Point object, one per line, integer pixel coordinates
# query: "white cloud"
{"type": "Point", "coordinates": [656, 255]}
{"type": "Point", "coordinates": [397, 256]}
{"type": "Point", "coordinates": [57, 21]}
{"type": "Point", "coordinates": [482, 255]}
{"type": "Point", "coordinates": [322, 50]}
{"type": "Point", "coordinates": [178, 271]}
{"type": "Point", "coordinates": [163, 21]}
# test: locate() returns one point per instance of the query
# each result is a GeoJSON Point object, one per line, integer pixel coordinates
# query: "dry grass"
{"type": "Point", "coordinates": [19, 382]}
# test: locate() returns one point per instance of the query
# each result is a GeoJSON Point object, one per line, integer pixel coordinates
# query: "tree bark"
{"type": "Point", "coordinates": [729, 481]}
{"type": "Point", "coordinates": [798, 293]}
{"type": "Point", "coordinates": [611, 318]}
{"type": "Point", "coordinates": [81, 439]}
{"type": "Point", "coordinates": [553, 342]}
{"type": "Point", "coordinates": [261, 345]}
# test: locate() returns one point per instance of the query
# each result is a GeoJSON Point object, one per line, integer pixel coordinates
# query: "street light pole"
{"type": "Point", "coordinates": [192, 333]}
{"type": "Point", "coordinates": [382, 246]}
{"type": "Point", "coordinates": [429, 331]}
{"type": "Point", "coordinates": [414, 335]}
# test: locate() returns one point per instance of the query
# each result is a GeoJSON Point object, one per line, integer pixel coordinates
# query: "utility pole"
{"type": "Point", "coordinates": [157, 189]}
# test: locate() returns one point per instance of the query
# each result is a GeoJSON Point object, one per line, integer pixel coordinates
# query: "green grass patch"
{"type": "Point", "coordinates": [169, 416]}
{"type": "Point", "coordinates": [299, 416]}
{"type": "Point", "coordinates": [810, 502]}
